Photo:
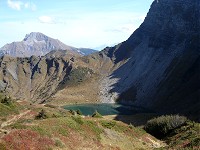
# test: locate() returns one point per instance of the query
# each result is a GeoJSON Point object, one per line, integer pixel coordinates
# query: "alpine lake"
{"type": "Point", "coordinates": [105, 109]}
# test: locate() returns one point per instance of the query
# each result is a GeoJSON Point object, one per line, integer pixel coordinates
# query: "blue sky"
{"type": "Point", "coordinates": [79, 23]}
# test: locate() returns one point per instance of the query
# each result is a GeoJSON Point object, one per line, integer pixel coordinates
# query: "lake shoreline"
{"type": "Point", "coordinates": [106, 109]}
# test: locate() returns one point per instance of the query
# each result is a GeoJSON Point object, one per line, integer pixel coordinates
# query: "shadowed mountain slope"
{"type": "Point", "coordinates": [161, 60]}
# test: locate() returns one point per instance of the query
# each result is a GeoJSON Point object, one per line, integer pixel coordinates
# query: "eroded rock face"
{"type": "Point", "coordinates": [161, 59]}
{"type": "Point", "coordinates": [34, 78]}
{"type": "Point", "coordinates": [39, 78]}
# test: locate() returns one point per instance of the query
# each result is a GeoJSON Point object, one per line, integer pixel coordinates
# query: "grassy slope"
{"type": "Point", "coordinates": [63, 131]}
{"type": "Point", "coordinates": [86, 92]}
{"type": "Point", "coordinates": [75, 133]}
{"type": "Point", "coordinates": [6, 110]}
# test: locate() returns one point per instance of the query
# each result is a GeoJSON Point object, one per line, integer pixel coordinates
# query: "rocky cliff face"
{"type": "Point", "coordinates": [33, 78]}
{"type": "Point", "coordinates": [39, 44]}
{"type": "Point", "coordinates": [37, 79]}
{"type": "Point", "coordinates": [161, 60]}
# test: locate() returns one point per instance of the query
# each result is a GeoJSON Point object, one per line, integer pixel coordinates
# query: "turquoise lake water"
{"type": "Point", "coordinates": [104, 109]}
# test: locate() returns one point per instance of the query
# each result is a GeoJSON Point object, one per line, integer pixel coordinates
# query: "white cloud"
{"type": "Point", "coordinates": [15, 4]}
{"type": "Point", "coordinates": [46, 19]}
{"type": "Point", "coordinates": [18, 5]}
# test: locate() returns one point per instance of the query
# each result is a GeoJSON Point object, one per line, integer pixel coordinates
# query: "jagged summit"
{"type": "Point", "coordinates": [36, 44]}
{"type": "Point", "coordinates": [35, 36]}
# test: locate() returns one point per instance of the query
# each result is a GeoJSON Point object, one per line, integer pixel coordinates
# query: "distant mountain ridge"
{"type": "Point", "coordinates": [38, 44]}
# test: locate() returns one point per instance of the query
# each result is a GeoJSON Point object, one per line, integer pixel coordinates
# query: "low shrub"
{"type": "Point", "coordinates": [96, 114]}
{"type": "Point", "coordinates": [79, 112]}
{"type": "Point", "coordinates": [161, 126]}
{"type": "Point", "coordinates": [108, 124]}
{"type": "Point", "coordinates": [41, 115]}
{"type": "Point", "coordinates": [131, 126]}
{"type": "Point", "coordinates": [6, 100]}
{"type": "Point", "coordinates": [59, 143]}
{"type": "Point", "coordinates": [73, 112]}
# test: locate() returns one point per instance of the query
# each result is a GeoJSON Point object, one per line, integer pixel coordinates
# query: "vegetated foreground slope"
{"type": "Point", "coordinates": [39, 127]}
{"type": "Point", "coordinates": [46, 127]}
{"type": "Point", "coordinates": [161, 60]}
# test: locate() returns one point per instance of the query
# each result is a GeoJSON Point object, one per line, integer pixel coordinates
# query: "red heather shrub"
{"type": "Point", "coordinates": [27, 140]}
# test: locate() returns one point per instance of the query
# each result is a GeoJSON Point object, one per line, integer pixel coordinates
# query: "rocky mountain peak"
{"type": "Point", "coordinates": [35, 36]}
{"type": "Point", "coordinates": [38, 44]}
{"type": "Point", "coordinates": [176, 12]}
